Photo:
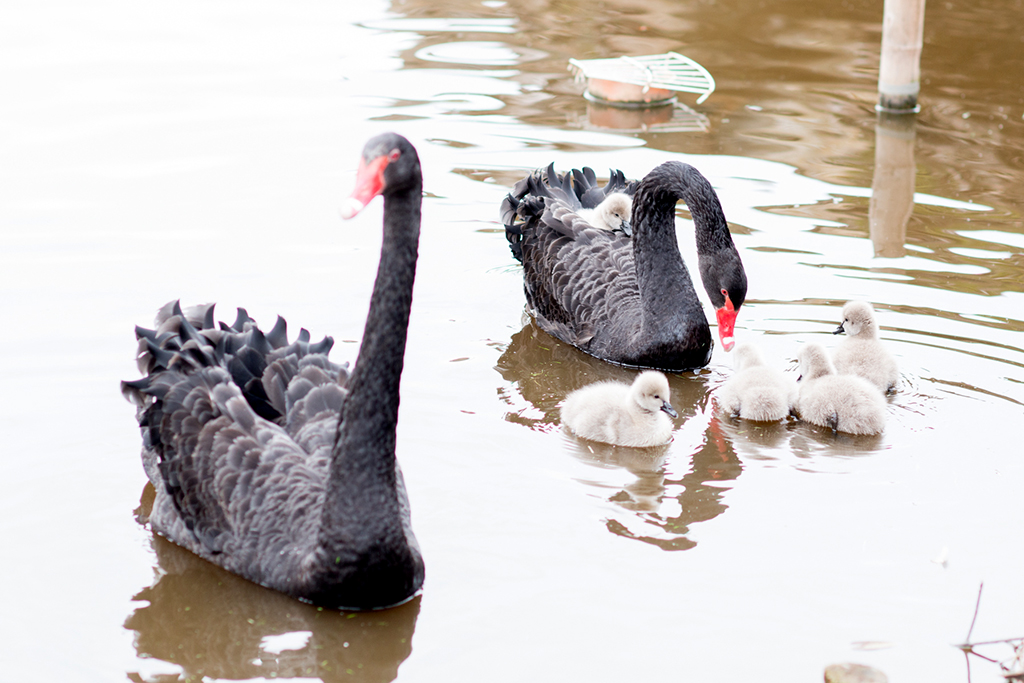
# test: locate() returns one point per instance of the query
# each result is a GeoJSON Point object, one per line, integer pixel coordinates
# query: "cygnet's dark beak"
{"type": "Point", "coordinates": [627, 229]}
{"type": "Point", "coordinates": [839, 330]}
{"type": "Point", "coordinates": [667, 407]}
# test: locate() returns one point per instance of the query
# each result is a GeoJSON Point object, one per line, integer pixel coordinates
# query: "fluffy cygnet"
{"type": "Point", "coordinates": [846, 403]}
{"type": "Point", "coordinates": [625, 415]}
{"type": "Point", "coordinates": [613, 213]}
{"type": "Point", "coordinates": [756, 392]}
{"type": "Point", "coordinates": [862, 353]}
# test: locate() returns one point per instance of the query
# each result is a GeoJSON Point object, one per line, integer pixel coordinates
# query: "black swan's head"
{"type": "Point", "coordinates": [727, 302]}
{"type": "Point", "coordinates": [389, 166]}
{"type": "Point", "coordinates": [725, 281]}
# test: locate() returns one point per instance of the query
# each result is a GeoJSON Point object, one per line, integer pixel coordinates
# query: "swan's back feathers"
{"type": "Point", "coordinates": [555, 198]}
{"type": "Point", "coordinates": [575, 273]}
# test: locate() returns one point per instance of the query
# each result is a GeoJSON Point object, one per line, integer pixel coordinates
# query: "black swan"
{"type": "Point", "coordinates": [637, 415]}
{"type": "Point", "coordinates": [862, 353]}
{"type": "Point", "coordinates": [628, 300]}
{"type": "Point", "coordinates": [275, 463]}
{"type": "Point", "coordinates": [756, 392]}
{"type": "Point", "coordinates": [844, 403]}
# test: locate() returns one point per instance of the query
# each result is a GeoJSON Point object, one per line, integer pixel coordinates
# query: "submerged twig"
{"type": "Point", "coordinates": [1013, 668]}
{"type": "Point", "coordinates": [977, 606]}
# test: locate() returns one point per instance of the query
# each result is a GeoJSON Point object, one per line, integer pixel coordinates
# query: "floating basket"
{"type": "Point", "coordinates": [645, 81]}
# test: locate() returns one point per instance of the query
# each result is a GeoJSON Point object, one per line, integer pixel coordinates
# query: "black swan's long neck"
{"type": "Point", "coordinates": [361, 501]}
{"type": "Point", "coordinates": [664, 281]}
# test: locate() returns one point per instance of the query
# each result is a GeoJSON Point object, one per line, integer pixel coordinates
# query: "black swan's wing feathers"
{"type": "Point", "coordinates": [220, 403]}
{"type": "Point", "coordinates": [572, 271]}
{"type": "Point", "coordinates": [194, 438]}
{"type": "Point", "coordinates": [229, 474]}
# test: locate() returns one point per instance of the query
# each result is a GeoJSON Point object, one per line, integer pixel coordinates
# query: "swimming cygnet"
{"type": "Point", "coordinates": [756, 392]}
{"type": "Point", "coordinates": [862, 353]}
{"type": "Point", "coordinates": [617, 413]}
{"type": "Point", "coordinates": [846, 403]}
{"type": "Point", "coordinates": [613, 213]}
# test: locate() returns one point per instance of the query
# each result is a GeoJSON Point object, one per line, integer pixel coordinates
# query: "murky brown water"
{"type": "Point", "coordinates": [200, 151]}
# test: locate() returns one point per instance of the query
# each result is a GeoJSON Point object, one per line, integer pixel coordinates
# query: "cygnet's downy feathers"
{"type": "Point", "coordinates": [636, 415]}
{"type": "Point", "coordinates": [614, 213]}
{"type": "Point", "coordinates": [844, 403]}
{"type": "Point", "coordinates": [862, 353]}
{"type": "Point", "coordinates": [756, 392]}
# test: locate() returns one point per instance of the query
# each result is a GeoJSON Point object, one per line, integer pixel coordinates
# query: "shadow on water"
{"type": "Point", "coordinates": [213, 624]}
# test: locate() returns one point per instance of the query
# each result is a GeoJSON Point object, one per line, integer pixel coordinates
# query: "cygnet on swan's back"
{"type": "Point", "coordinates": [625, 415]}
{"type": "Point", "coordinates": [614, 213]}
{"type": "Point", "coordinates": [756, 392]}
{"type": "Point", "coordinates": [861, 353]}
{"type": "Point", "coordinates": [846, 403]}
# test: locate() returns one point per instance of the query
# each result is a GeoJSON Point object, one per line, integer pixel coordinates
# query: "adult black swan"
{"type": "Point", "coordinates": [275, 463]}
{"type": "Point", "coordinates": [625, 299]}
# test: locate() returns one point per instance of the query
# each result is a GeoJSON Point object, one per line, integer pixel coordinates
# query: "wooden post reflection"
{"type": "Point", "coordinates": [892, 189]}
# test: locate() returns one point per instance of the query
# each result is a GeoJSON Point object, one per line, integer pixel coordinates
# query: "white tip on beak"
{"type": "Point", "coordinates": [351, 207]}
{"type": "Point", "coordinates": [728, 343]}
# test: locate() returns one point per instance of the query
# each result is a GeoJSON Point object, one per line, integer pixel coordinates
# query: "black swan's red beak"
{"type": "Point", "coordinates": [369, 183]}
{"type": "Point", "coordinates": [726, 322]}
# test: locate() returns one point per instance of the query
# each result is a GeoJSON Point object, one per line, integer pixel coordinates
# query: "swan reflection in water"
{"type": "Point", "coordinates": [660, 506]}
{"type": "Point", "coordinates": [215, 625]}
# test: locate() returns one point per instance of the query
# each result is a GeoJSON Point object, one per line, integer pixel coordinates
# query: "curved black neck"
{"type": "Point", "coordinates": [361, 490]}
{"type": "Point", "coordinates": [661, 274]}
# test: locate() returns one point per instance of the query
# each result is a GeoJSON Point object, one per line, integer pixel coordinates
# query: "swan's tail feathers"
{"type": "Point", "coordinates": [240, 321]}
{"type": "Point", "coordinates": [525, 205]}
{"type": "Point", "coordinates": [585, 187]}
{"type": "Point", "coordinates": [590, 194]}
{"type": "Point", "coordinates": [187, 342]}
{"type": "Point", "coordinates": [278, 336]}
{"type": "Point", "coordinates": [517, 215]}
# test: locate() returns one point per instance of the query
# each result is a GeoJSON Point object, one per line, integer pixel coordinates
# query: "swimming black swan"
{"type": "Point", "coordinates": [756, 392]}
{"type": "Point", "coordinates": [241, 435]}
{"type": "Point", "coordinates": [844, 403]}
{"type": "Point", "coordinates": [628, 300]}
{"type": "Point", "coordinates": [862, 353]}
{"type": "Point", "coordinates": [612, 412]}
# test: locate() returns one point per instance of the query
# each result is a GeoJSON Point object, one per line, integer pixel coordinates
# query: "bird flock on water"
{"type": "Point", "coordinates": [278, 464]}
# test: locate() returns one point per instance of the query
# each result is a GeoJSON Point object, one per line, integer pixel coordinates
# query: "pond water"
{"type": "Point", "coordinates": [200, 150]}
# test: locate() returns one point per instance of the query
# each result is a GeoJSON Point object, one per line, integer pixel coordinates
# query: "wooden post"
{"type": "Point", "coordinates": [899, 74]}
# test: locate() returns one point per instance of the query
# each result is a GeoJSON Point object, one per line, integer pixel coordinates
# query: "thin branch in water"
{"type": "Point", "coordinates": [977, 605]}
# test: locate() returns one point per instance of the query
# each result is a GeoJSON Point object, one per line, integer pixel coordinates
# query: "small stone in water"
{"type": "Point", "coordinates": [853, 673]}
